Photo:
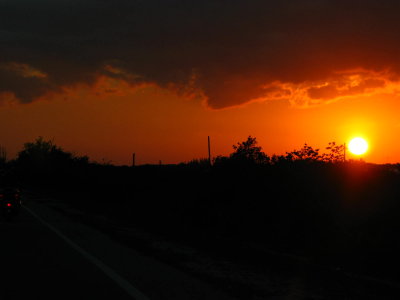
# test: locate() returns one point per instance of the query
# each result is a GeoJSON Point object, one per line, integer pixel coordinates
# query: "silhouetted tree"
{"type": "Point", "coordinates": [45, 158]}
{"type": "Point", "coordinates": [335, 154]}
{"type": "Point", "coordinates": [307, 153]}
{"type": "Point", "coordinates": [248, 151]}
{"type": "Point", "coordinates": [280, 159]}
{"type": "Point", "coordinates": [42, 151]}
{"type": "Point", "coordinates": [220, 160]}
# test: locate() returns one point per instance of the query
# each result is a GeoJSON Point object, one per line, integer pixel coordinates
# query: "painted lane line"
{"type": "Point", "coordinates": [123, 283]}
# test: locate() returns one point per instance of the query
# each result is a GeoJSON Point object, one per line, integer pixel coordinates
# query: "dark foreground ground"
{"type": "Point", "coordinates": [37, 264]}
{"type": "Point", "coordinates": [46, 255]}
{"type": "Point", "coordinates": [248, 226]}
{"type": "Point", "coordinates": [289, 229]}
{"type": "Point", "coordinates": [45, 266]}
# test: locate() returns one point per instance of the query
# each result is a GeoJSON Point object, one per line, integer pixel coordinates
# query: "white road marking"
{"type": "Point", "coordinates": [123, 283]}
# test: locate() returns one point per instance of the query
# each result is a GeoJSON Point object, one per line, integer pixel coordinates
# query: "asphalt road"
{"type": "Point", "coordinates": [36, 263]}
{"type": "Point", "coordinates": [45, 255]}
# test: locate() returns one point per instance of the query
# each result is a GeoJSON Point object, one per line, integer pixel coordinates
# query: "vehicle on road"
{"type": "Point", "coordinates": [10, 202]}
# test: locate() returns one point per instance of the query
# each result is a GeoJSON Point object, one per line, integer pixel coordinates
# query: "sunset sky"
{"type": "Point", "coordinates": [156, 77]}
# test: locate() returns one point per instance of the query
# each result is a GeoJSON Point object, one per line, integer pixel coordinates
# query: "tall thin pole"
{"type": "Point", "coordinates": [344, 152]}
{"type": "Point", "coordinates": [209, 151]}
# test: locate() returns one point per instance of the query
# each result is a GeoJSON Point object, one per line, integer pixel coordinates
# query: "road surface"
{"type": "Point", "coordinates": [44, 255]}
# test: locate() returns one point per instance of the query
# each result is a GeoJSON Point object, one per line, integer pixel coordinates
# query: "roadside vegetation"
{"type": "Point", "coordinates": [306, 202]}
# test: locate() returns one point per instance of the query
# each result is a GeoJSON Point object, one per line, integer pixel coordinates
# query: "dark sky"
{"type": "Point", "coordinates": [229, 52]}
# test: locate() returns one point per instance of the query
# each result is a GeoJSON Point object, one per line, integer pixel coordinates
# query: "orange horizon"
{"type": "Point", "coordinates": [160, 125]}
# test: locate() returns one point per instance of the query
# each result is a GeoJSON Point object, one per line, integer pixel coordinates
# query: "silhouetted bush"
{"type": "Point", "coordinates": [302, 202]}
{"type": "Point", "coordinates": [45, 162]}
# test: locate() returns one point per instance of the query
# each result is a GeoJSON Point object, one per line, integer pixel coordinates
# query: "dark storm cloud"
{"type": "Point", "coordinates": [229, 51]}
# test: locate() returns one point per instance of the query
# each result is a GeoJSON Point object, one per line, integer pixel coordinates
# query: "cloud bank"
{"type": "Point", "coordinates": [229, 52]}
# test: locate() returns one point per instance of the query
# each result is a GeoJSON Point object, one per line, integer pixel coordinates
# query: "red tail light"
{"type": "Point", "coordinates": [8, 204]}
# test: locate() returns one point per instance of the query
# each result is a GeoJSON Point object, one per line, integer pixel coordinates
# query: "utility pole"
{"type": "Point", "coordinates": [209, 151]}
{"type": "Point", "coordinates": [133, 159]}
{"type": "Point", "coordinates": [344, 152]}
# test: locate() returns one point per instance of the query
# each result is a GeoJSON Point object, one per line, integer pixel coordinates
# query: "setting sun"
{"type": "Point", "coordinates": [358, 146]}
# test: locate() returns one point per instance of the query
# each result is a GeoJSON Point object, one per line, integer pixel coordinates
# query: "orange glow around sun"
{"type": "Point", "coordinates": [111, 120]}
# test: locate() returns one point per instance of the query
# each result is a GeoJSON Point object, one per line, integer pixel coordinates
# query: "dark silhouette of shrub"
{"type": "Point", "coordinates": [44, 160]}
{"type": "Point", "coordinates": [249, 152]}
{"type": "Point", "coordinates": [335, 154]}
{"type": "Point", "coordinates": [302, 202]}
{"type": "Point", "coordinates": [307, 154]}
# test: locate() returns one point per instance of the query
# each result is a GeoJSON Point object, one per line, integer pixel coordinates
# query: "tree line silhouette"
{"type": "Point", "coordinates": [249, 153]}
{"type": "Point", "coordinates": [305, 202]}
